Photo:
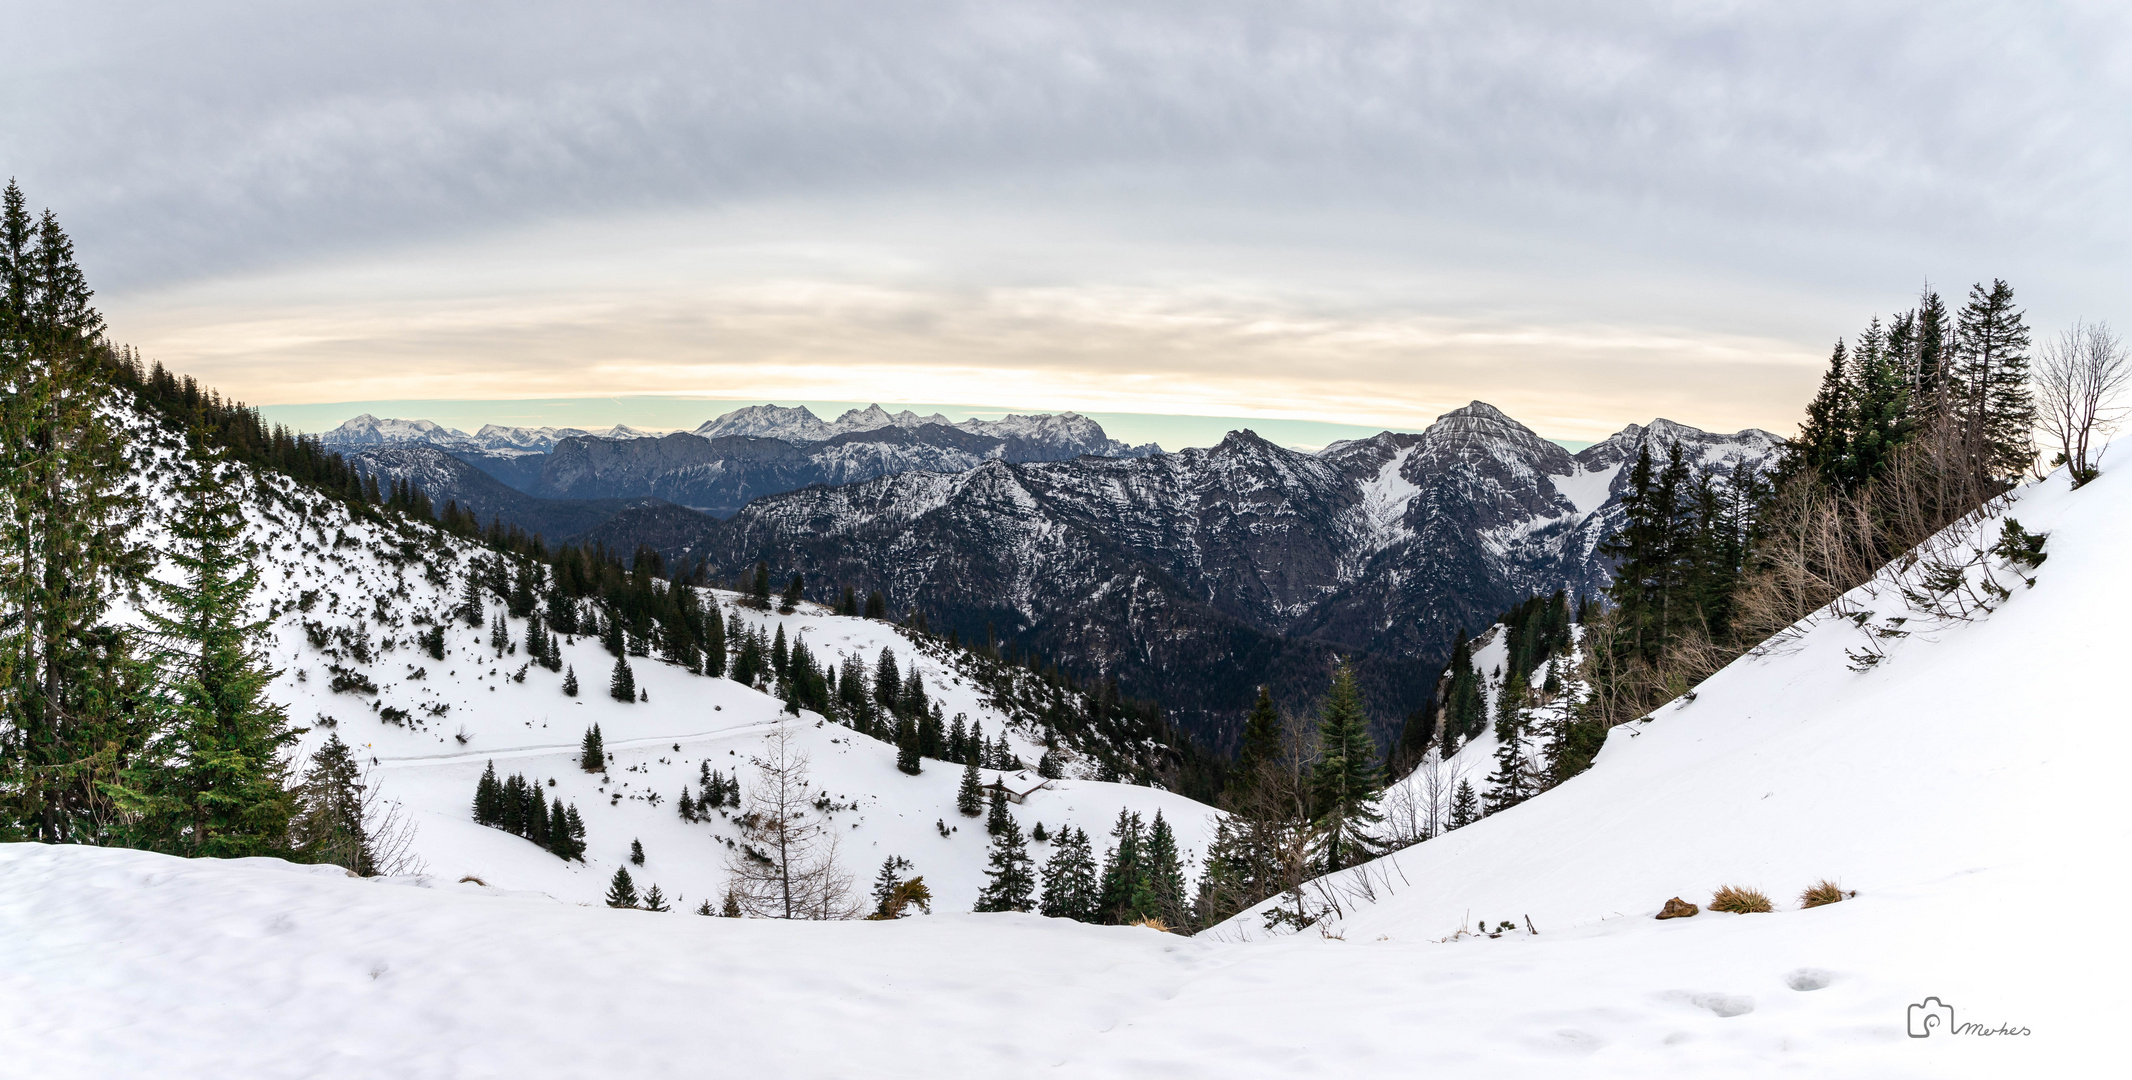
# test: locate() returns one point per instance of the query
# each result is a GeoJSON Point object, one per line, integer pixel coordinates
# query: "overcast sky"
{"type": "Point", "coordinates": [1587, 214]}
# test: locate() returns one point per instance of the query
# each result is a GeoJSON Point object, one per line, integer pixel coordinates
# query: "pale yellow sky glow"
{"type": "Point", "coordinates": [544, 316]}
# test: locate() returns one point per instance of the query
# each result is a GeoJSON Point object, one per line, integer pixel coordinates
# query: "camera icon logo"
{"type": "Point", "coordinates": [1928, 1015]}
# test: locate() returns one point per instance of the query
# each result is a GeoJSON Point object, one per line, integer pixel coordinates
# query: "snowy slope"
{"type": "Point", "coordinates": [1961, 785]}
{"type": "Point", "coordinates": [384, 583]}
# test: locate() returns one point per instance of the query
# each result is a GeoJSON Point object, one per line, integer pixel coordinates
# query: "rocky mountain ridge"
{"type": "Point", "coordinates": [1196, 575]}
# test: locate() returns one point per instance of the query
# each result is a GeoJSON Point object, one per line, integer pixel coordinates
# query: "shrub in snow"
{"type": "Point", "coordinates": [1739, 901]}
{"type": "Point", "coordinates": [1823, 892]}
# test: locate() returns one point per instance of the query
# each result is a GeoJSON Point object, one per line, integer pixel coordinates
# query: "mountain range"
{"type": "Point", "coordinates": [1195, 576]}
{"type": "Point", "coordinates": [1188, 577]}
{"type": "Point", "coordinates": [744, 454]}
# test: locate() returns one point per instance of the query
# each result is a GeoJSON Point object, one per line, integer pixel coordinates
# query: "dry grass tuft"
{"type": "Point", "coordinates": [1739, 901]}
{"type": "Point", "coordinates": [1823, 892]}
{"type": "Point", "coordinates": [1153, 923]}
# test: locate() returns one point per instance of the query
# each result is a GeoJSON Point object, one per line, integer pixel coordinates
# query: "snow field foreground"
{"type": "Point", "coordinates": [1962, 785]}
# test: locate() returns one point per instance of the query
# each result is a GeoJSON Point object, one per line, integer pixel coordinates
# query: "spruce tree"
{"type": "Point", "coordinates": [1346, 780]}
{"type": "Point", "coordinates": [1512, 778]}
{"type": "Point", "coordinates": [1124, 880]}
{"type": "Point", "coordinates": [471, 602]}
{"type": "Point", "coordinates": [1465, 806]}
{"type": "Point", "coordinates": [714, 644]}
{"type": "Point", "coordinates": [1991, 373]}
{"type": "Point", "coordinates": [561, 839]}
{"type": "Point", "coordinates": [486, 795]}
{"type": "Point", "coordinates": [1261, 745]}
{"type": "Point", "coordinates": [907, 757]}
{"type": "Point", "coordinates": [1166, 884]}
{"type": "Point", "coordinates": [328, 826]}
{"type": "Point", "coordinates": [888, 682]}
{"type": "Point", "coordinates": [570, 682]}
{"type": "Point", "coordinates": [958, 742]}
{"type": "Point", "coordinates": [636, 852]}
{"type": "Point", "coordinates": [687, 806]}
{"type": "Point", "coordinates": [731, 908]}
{"type": "Point", "coordinates": [1070, 886]}
{"type": "Point", "coordinates": [654, 900]}
{"type": "Point", "coordinates": [70, 687]}
{"type": "Point", "coordinates": [1010, 882]}
{"type": "Point", "coordinates": [794, 592]}
{"type": "Point", "coordinates": [621, 892]}
{"type": "Point", "coordinates": [997, 818]}
{"type": "Point", "coordinates": [759, 588]}
{"type": "Point", "coordinates": [970, 797]}
{"type": "Point", "coordinates": [622, 684]}
{"type": "Point", "coordinates": [876, 606]}
{"type": "Point", "coordinates": [592, 751]}
{"type": "Point", "coordinates": [213, 781]}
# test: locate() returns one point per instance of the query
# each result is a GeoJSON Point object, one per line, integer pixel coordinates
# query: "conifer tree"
{"type": "Point", "coordinates": [970, 797]}
{"type": "Point", "coordinates": [907, 757]}
{"type": "Point", "coordinates": [487, 793]}
{"type": "Point", "coordinates": [654, 900]}
{"type": "Point", "coordinates": [997, 818]}
{"type": "Point", "coordinates": [888, 682]}
{"type": "Point", "coordinates": [1465, 806]}
{"type": "Point", "coordinates": [622, 684]}
{"type": "Point", "coordinates": [570, 682]}
{"type": "Point", "coordinates": [1010, 881]}
{"type": "Point", "coordinates": [1991, 370]}
{"type": "Point", "coordinates": [958, 741]}
{"type": "Point", "coordinates": [714, 643]}
{"type": "Point", "coordinates": [561, 840]}
{"type": "Point", "coordinates": [687, 805]}
{"type": "Point", "coordinates": [795, 591]}
{"type": "Point", "coordinates": [621, 891]}
{"type": "Point", "coordinates": [705, 909]}
{"type": "Point", "coordinates": [577, 834]}
{"type": "Point", "coordinates": [213, 781]}
{"type": "Point", "coordinates": [471, 602]}
{"type": "Point", "coordinates": [70, 687]}
{"type": "Point", "coordinates": [780, 655]}
{"type": "Point", "coordinates": [1166, 884]}
{"type": "Point", "coordinates": [328, 827]}
{"type": "Point", "coordinates": [1346, 780]}
{"type": "Point", "coordinates": [1070, 886]}
{"type": "Point", "coordinates": [876, 606]}
{"type": "Point", "coordinates": [731, 908]}
{"type": "Point", "coordinates": [759, 588]}
{"type": "Point", "coordinates": [636, 852]}
{"type": "Point", "coordinates": [1512, 780]}
{"type": "Point", "coordinates": [849, 603]}
{"type": "Point", "coordinates": [592, 751]}
{"type": "Point", "coordinates": [1124, 882]}
{"type": "Point", "coordinates": [1261, 743]}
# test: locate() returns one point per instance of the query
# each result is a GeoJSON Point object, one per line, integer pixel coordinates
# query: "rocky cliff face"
{"type": "Point", "coordinates": [1191, 577]}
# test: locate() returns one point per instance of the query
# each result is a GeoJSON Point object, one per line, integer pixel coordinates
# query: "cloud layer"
{"type": "Point", "coordinates": [1350, 210]}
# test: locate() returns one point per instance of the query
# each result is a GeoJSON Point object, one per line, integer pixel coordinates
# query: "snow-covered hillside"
{"type": "Point", "coordinates": [1959, 784]}
{"type": "Point", "coordinates": [348, 598]}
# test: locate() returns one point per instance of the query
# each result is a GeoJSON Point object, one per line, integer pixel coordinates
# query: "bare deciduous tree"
{"type": "Point", "coordinates": [786, 866]}
{"type": "Point", "coordinates": [2083, 371]}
